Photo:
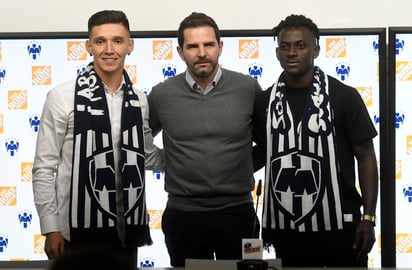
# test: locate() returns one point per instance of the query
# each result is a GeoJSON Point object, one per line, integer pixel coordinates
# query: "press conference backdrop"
{"type": "Point", "coordinates": [400, 83]}
{"type": "Point", "coordinates": [33, 63]}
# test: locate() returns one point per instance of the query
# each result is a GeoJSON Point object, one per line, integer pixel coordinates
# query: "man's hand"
{"type": "Point", "coordinates": [54, 245]}
{"type": "Point", "coordinates": [364, 238]}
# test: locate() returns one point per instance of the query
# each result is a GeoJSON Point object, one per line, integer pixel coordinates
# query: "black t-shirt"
{"type": "Point", "coordinates": [353, 126]}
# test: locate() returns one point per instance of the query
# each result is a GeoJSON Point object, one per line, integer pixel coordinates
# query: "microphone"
{"type": "Point", "coordinates": [253, 246]}
{"type": "Point", "coordinates": [255, 234]}
{"type": "Point", "coordinates": [251, 258]}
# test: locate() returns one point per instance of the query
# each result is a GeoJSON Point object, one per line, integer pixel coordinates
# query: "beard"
{"type": "Point", "coordinates": [201, 72]}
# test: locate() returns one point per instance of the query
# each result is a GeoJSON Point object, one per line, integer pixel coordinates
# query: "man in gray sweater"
{"type": "Point", "coordinates": [205, 115]}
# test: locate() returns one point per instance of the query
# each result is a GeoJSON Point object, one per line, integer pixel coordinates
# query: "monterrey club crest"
{"type": "Point", "coordinates": [102, 182]}
{"type": "Point", "coordinates": [296, 183]}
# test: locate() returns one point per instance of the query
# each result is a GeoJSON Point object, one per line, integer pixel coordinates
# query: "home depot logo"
{"type": "Point", "coordinates": [1, 123]}
{"type": "Point", "coordinates": [403, 243]}
{"type": "Point", "coordinates": [409, 145]}
{"type": "Point", "coordinates": [162, 49]}
{"type": "Point", "coordinates": [366, 94]}
{"type": "Point", "coordinates": [8, 196]}
{"type": "Point", "coordinates": [26, 168]}
{"type": "Point", "coordinates": [16, 259]}
{"type": "Point", "coordinates": [41, 75]}
{"type": "Point", "coordinates": [398, 169]}
{"type": "Point", "coordinates": [76, 51]}
{"type": "Point", "coordinates": [335, 47]}
{"type": "Point", "coordinates": [260, 197]}
{"type": "Point", "coordinates": [403, 71]}
{"type": "Point", "coordinates": [131, 71]}
{"type": "Point", "coordinates": [39, 241]}
{"type": "Point", "coordinates": [17, 99]}
{"type": "Point", "coordinates": [248, 48]}
{"type": "Point", "coordinates": [155, 219]}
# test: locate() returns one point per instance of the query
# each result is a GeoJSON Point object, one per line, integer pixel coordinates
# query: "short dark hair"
{"type": "Point", "coordinates": [108, 16]}
{"type": "Point", "coordinates": [196, 19]}
{"type": "Point", "coordinates": [297, 21]}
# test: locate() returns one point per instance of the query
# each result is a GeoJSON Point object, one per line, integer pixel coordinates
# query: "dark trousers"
{"type": "Point", "coordinates": [104, 241]}
{"type": "Point", "coordinates": [207, 235]}
{"type": "Point", "coordinates": [311, 249]}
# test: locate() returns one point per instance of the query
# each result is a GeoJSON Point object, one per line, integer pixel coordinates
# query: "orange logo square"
{"type": "Point", "coordinates": [403, 243]}
{"type": "Point", "coordinates": [409, 145]}
{"type": "Point", "coordinates": [335, 47]}
{"type": "Point", "coordinates": [366, 94]}
{"type": "Point", "coordinates": [17, 99]}
{"type": "Point", "coordinates": [19, 259]}
{"type": "Point", "coordinates": [260, 197]}
{"type": "Point", "coordinates": [398, 169]}
{"type": "Point", "coordinates": [76, 51]}
{"type": "Point", "coordinates": [162, 49]}
{"type": "Point", "coordinates": [26, 168]}
{"type": "Point", "coordinates": [155, 219]}
{"type": "Point", "coordinates": [1, 123]}
{"type": "Point", "coordinates": [248, 48]}
{"type": "Point", "coordinates": [132, 72]}
{"type": "Point", "coordinates": [39, 241]}
{"type": "Point", "coordinates": [41, 75]}
{"type": "Point", "coordinates": [8, 196]}
{"type": "Point", "coordinates": [403, 71]}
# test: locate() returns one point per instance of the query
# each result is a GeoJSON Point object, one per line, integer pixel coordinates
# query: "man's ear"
{"type": "Point", "coordinates": [180, 52]}
{"type": "Point", "coordinates": [316, 51]}
{"type": "Point", "coordinates": [89, 48]}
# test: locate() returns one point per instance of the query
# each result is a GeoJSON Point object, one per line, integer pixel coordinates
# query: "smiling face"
{"type": "Point", "coordinates": [109, 44]}
{"type": "Point", "coordinates": [201, 52]}
{"type": "Point", "coordinates": [296, 52]}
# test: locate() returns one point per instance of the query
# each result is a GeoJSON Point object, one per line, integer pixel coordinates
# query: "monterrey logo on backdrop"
{"type": "Point", "coordinates": [2, 74]}
{"type": "Point", "coordinates": [34, 49]}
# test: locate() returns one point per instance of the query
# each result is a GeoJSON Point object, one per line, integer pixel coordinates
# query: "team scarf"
{"type": "Point", "coordinates": [93, 184]}
{"type": "Point", "coordinates": [301, 191]}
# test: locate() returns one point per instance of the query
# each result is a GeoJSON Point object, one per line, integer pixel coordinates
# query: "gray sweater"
{"type": "Point", "coordinates": [207, 141]}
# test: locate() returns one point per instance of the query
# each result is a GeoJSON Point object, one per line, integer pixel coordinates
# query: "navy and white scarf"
{"type": "Point", "coordinates": [93, 186]}
{"type": "Point", "coordinates": [301, 191]}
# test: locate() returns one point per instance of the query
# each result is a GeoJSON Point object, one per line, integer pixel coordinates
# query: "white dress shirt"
{"type": "Point", "coordinates": [52, 166]}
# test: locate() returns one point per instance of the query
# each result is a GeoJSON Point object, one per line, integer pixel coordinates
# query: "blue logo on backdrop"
{"type": "Point", "coordinates": [407, 193]}
{"type": "Point", "coordinates": [147, 263]}
{"type": "Point", "coordinates": [169, 71]}
{"type": "Point", "coordinates": [146, 91]}
{"type": "Point", "coordinates": [25, 218]}
{"type": "Point", "coordinates": [12, 146]}
{"type": "Point", "coordinates": [399, 119]}
{"type": "Point", "coordinates": [376, 119]}
{"type": "Point", "coordinates": [34, 121]}
{"type": "Point", "coordinates": [34, 50]}
{"type": "Point", "coordinates": [4, 241]}
{"type": "Point", "coordinates": [157, 174]}
{"type": "Point", "coordinates": [2, 74]}
{"type": "Point", "coordinates": [375, 45]}
{"type": "Point", "coordinates": [81, 69]}
{"type": "Point", "coordinates": [399, 45]}
{"type": "Point", "coordinates": [255, 71]}
{"type": "Point", "coordinates": [343, 70]}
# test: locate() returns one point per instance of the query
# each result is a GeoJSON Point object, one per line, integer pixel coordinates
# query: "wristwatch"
{"type": "Point", "coordinates": [369, 218]}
